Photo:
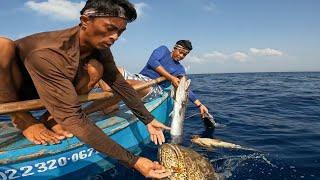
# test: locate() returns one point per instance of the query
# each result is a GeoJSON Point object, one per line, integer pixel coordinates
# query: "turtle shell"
{"type": "Point", "coordinates": [185, 163]}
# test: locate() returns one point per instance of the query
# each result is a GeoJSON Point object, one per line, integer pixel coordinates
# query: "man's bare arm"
{"type": "Point", "coordinates": [163, 72]}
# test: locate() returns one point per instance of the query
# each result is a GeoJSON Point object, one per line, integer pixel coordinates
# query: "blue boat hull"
{"type": "Point", "coordinates": [72, 159]}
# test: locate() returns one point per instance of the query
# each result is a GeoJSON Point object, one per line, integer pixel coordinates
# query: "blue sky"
{"type": "Point", "coordinates": [227, 35]}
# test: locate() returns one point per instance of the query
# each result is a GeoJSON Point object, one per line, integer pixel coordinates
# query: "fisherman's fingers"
{"type": "Point", "coordinates": [206, 110]}
{"type": "Point", "coordinates": [203, 111]}
{"type": "Point", "coordinates": [157, 166]}
{"type": "Point", "coordinates": [159, 175]}
{"type": "Point", "coordinates": [159, 135]}
{"type": "Point", "coordinates": [151, 137]}
{"type": "Point", "coordinates": [155, 138]}
{"type": "Point", "coordinates": [162, 126]}
{"type": "Point", "coordinates": [162, 138]}
{"type": "Point", "coordinates": [163, 170]}
{"type": "Point", "coordinates": [175, 82]}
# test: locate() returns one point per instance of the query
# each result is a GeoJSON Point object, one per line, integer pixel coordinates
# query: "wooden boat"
{"type": "Point", "coordinates": [71, 159]}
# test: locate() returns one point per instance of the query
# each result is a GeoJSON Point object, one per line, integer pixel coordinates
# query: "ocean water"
{"type": "Point", "coordinates": [277, 114]}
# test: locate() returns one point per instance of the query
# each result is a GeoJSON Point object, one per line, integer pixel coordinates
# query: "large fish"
{"type": "Point", "coordinates": [216, 143]}
{"type": "Point", "coordinates": [185, 164]}
{"type": "Point", "coordinates": [179, 107]}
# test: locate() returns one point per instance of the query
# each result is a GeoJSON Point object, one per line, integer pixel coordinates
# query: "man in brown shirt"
{"type": "Point", "coordinates": [49, 65]}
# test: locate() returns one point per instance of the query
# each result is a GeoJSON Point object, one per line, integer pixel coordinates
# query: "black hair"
{"type": "Point", "coordinates": [112, 6]}
{"type": "Point", "coordinates": [185, 43]}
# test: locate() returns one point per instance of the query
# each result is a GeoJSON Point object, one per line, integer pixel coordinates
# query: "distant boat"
{"type": "Point", "coordinates": [19, 159]}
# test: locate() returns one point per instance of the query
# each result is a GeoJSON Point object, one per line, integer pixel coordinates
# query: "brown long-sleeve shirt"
{"type": "Point", "coordinates": [53, 62]}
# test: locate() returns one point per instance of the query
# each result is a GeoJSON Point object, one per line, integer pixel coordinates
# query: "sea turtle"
{"type": "Point", "coordinates": [185, 164]}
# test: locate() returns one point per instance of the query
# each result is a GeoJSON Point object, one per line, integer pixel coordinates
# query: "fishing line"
{"type": "Point", "coordinates": [208, 119]}
{"type": "Point", "coordinates": [193, 115]}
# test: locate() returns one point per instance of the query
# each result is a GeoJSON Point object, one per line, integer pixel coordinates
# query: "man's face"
{"type": "Point", "coordinates": [102, 32]}
{"type": "Point", "coordinates": [179, 54]}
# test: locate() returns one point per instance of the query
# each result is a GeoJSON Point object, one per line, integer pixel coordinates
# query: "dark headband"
{"type": "Point", "coordinates": [94, 13]}
{"type": "Point", "coordinates": [178, 46]}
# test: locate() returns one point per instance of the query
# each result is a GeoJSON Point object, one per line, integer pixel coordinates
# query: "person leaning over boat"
{"type": "Point", "coordinates": [162, 62]}
{"type": "Point", "coordinates": [49, 65]}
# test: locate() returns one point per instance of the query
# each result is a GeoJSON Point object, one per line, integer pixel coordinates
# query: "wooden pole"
{"type": "Point", "coordinates": [29, 105]}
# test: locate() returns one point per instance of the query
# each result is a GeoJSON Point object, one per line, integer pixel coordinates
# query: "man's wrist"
{"type": "Point", "coordinates": [199, 105]}
{"type": "Point", "coordinates": [135, 164]}
{"type": "Point", "coordinates": [149, 122]}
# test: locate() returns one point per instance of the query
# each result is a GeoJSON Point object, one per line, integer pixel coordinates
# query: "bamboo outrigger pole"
{"type": "Point", "coordinates": [29, 105]}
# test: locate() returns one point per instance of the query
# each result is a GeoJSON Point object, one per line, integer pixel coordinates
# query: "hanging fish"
{"type": "Point", "coordinates": [179, 108]}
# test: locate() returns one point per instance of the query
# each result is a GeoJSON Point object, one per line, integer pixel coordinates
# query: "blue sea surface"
{"type": "Point", "coordinates": [277, 114]}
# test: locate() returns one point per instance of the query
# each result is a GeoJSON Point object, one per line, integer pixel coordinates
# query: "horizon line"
{"type": "Point", "coordinates": [317, 71]}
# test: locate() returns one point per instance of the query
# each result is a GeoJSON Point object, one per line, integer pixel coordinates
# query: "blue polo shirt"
{"type": "Point", "coordinates": [162, 56]}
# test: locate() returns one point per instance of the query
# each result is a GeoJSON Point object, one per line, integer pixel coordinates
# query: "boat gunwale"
{"type": "Point", "coordinates": [68, 144]}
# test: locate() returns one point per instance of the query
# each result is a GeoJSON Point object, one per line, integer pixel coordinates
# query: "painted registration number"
{"type": "Point", "coordinates": [42, 167]}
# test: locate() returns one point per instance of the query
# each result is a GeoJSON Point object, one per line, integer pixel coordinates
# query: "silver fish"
{"type": "Point", "coordinates": [216, 143]}
{"type": "Point", "coordinates": [179, 108]}
{"type": "Point", "coordinates": [185, 164]}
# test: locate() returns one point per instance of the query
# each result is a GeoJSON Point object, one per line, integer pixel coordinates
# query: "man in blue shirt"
{"type": "Point", "coordinates": [162, 62]}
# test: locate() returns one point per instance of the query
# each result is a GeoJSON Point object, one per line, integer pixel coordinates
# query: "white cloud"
{"type": "Point", "coordinates": [139, 8]}
{"type": "Point", "coordinates": [266, 52]}
{"type": "Point", "coordinates": [63, 10]}
{"type": "Point", "coordinates": [240, 56]}
{"type": "Point", "coordinates": [66, 10]}
{"type": "Point", "coordinates": [215, 55]}
{"type": "Point", "coordinates": [218, 57]}
{"type": "Point", "coordinates": [194, 59]}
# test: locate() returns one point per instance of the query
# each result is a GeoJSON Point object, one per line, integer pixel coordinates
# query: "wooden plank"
{"type": "Point", "coordinates": [8, 108]}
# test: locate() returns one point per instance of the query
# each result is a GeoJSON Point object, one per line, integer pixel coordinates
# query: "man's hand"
{"type": "Point", "coordinates": [155, 130]}
{"type": "Point", "coordinates": [175, 81]}
{"type": "Point", "coordinates": [203, 110]}
{"type": "Point", "coordinates": [151, 169]}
